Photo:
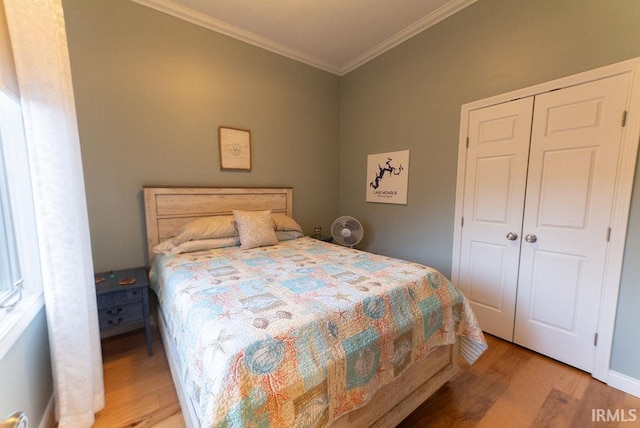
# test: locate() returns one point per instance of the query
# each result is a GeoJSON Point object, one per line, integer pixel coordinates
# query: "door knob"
{"type": "Point", "coordinates": [531, 238]}
{"type": "Point", "coordinates": [15, 420]}
{"type": "Point", "coordinates": [512, 236]}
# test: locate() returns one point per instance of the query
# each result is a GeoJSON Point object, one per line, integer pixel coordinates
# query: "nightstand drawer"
{"type": "Point", "coordinates": [119, 297]}
{"type": "Point", "coordinates": [120, 315]}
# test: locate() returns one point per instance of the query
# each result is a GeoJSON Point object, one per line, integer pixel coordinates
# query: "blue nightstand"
{"type": "Point", "coordinates": [123, 307]}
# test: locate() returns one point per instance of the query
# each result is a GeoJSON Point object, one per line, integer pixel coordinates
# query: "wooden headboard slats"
{"type": "Point", "coordinates": [172, 205]}
{"type": "Point", "coordinates": [168, 208]}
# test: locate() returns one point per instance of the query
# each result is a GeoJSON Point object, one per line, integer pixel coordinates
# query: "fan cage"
{"type": "Point", "coordinates": [347, 231]}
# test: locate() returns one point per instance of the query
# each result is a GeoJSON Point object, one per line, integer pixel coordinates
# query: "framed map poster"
{"type": "Point", "coordinates": [388, 177]}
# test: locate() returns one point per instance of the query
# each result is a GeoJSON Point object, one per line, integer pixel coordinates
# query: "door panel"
{"type": "Point", "coordinates": [495, 182]}
{"type": "Point", "coordinates": [567, 176]}
{"type": "Point", "coordinates": [484, 290]}
{"type": "Point", "coordinates": [492, 189]}
{"type": "Point", "coordinates": [573, 116]}
{"type": "Point", "coordinates": [555, 307]}
{"type": "Point", "coordinates": [576, 136]}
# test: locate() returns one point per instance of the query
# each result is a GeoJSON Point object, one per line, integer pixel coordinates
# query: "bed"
{"type": "Point", "coordinates": [301, 332]}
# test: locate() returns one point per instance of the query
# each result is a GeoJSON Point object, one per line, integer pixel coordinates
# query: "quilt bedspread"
{"type": "Point", "coordinates": [300, 333]}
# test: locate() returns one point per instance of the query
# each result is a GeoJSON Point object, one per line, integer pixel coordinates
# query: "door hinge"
{"type": "Point", "coordinates": [624, 119]}
{"type": "Point", "coordinates": [467, 142]}
{"type": "Point", "coordinates": [462, 222]}
{"type": "Point", "coordinates": [595, 339]}
{"type": "Point", "coordinates": [608, 234]}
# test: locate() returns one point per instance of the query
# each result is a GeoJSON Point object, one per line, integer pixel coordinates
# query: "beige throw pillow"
{"type": "Point", "coordinates": [222, 226]}
{"type": "Point", "coordinates": [169, 248]}
{"type": "Point", "coordinates": [255, 228]}
{"type": "Point", "coordinates": [284, 222]}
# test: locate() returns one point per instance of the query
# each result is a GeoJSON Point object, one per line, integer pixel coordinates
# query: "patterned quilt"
{"type": "Point", "coordinates": [300, 333]}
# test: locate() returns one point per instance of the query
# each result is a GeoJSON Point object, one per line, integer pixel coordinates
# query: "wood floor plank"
{"type": "Point", "coordinates": [599, 396]}
{"type": "Point", "coordinates": [572, 381]}
{"type": "Point", "coordinates": [139, 390]}
{"type": "Point", "coordinates": [498, 349]}
{"type": "Point", "coordinates": [632, 402]}
{"type": "Point", "coordinates": [557, 411]}
{"type": "Point", "coordinates": [526, 392]}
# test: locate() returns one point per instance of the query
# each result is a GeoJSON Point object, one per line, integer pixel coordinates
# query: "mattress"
{"type": "Point", "coordinates": [300, 333]}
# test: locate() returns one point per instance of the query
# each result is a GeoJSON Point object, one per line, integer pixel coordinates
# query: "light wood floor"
{"type": "Point", "coordinates": [139, 391]}
{"type": "Point", "coordinates": [508, 386]}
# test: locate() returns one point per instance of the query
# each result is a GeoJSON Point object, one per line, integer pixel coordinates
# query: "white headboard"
{"type": "Point", "coordinates": [168, 208]}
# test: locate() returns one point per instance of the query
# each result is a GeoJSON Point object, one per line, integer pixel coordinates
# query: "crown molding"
{"type": "Point", "coordinates": [419, 26]}
{"type": "Point", "coordinates": [197, 18]}
{"type": "Point", "coordinates": [170, 8]}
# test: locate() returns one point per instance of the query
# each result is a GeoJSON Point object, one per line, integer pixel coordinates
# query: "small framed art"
{"type": "Point", "coordinates": [235, 148]}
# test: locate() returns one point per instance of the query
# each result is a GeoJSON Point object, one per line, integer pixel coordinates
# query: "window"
{"type": "Point", "coordinates": [21, 297]}
{"type": "Point", "coordinates": [10, 278]}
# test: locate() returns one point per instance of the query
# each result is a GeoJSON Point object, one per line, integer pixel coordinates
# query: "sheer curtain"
{"type": "Point", "coordinates": [39, 42]}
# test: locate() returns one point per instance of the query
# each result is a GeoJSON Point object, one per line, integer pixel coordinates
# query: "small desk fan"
{"type": "Point", "coordinates": [347, 231]}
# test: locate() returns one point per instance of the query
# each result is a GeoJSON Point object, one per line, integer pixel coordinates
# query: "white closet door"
{"type": "Point", "coordinates": [576, 136]}
{"type": "Point", "coordinates": [495, 181]}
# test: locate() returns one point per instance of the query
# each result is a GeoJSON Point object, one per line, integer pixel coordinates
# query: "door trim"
{"type": "Point", "coordinates": [622, 197]}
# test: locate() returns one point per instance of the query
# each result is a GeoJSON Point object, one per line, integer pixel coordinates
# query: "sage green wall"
{"type": "Point", "coordinates": [626, 341]}
{"type": "Point", "coordinates": [410, 98]}
{"type": "Point", "coordinates": [25, 373]}
{"type": "Point", "coordinates": [151, 91]}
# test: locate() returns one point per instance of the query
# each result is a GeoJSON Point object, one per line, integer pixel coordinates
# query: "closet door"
{"type": "Point", "coordinates": [576, 137]}
{"type": "Point", "coordinates": [495, 180]}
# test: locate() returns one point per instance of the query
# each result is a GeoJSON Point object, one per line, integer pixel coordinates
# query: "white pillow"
{"type": "Point", "coordinates": [170, 248]}
{"type": "Point", "coordinates": [286, 223]}
{"type": "Point", "coordinates": [221, 226]}
{"type": "Point", "coordinates": [286, 235]}
{"type": "Point", "coordinates": [255, 228]}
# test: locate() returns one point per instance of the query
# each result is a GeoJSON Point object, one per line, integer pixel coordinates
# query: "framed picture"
{"type": "Point", "coordinates": [235, 148]}
{"type": "Point", "coordinates": [388, 177]}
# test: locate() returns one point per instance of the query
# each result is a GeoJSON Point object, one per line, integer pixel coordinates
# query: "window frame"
{"type": "Point", "coordinates": [15, 319]}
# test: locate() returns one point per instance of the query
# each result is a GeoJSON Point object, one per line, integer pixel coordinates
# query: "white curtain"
{"type": "Point", "coordinates": [39, 42]}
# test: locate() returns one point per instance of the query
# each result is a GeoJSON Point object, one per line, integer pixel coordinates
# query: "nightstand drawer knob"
{"type": "Point", "coordinates": [116, 322]}
{"type": "Point", "coordinates": [114, 312]}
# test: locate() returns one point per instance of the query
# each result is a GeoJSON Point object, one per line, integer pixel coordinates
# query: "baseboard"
{"type": "Point", "coordinates": [624, 383]}
{"type": "Point", "coordinates": [49, 417]}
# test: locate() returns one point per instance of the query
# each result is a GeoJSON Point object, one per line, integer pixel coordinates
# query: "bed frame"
{"type": "Point", "coordinates": [167, 208]}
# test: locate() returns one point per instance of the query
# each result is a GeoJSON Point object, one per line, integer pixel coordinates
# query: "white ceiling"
{"type": "Point", "coordinates": [333, 35]}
